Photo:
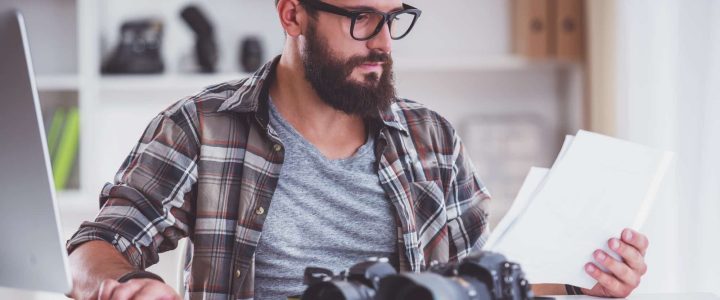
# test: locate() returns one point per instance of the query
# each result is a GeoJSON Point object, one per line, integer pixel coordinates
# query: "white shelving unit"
{"type": "Point", "coordinates": [154, 83]}
{"type": "Point", "coordinates": [193, 82]}
{"type": "Point", "coordinates": [457, 62]}
{"type": "Point", "coordinates": [478, 63]}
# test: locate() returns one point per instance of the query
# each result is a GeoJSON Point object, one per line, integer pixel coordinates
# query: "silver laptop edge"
{"type": "Point", "coordinates": [42, 259]}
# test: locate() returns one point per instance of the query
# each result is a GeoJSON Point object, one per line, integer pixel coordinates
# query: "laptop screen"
{"type": "Point", "coordinates": [33, 255]}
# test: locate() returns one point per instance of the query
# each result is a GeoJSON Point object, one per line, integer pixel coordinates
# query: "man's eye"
{"type": "Point", "coordinates": [362, 18]}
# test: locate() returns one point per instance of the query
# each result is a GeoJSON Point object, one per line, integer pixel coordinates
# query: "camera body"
{"type": "Point", "coordinates": [479, 276]}
{"type": "Point", "coordinates": [138, 51]}
{"type": "Point", "coordinates": [361, 281]}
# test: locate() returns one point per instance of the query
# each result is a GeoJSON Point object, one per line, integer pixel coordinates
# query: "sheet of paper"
{"type": "Point", "coordinates": [534, 179]}
{"type": "Point", "coordinates": [531, 183]}
{"type": "Point", "coordinates": [597, 186]}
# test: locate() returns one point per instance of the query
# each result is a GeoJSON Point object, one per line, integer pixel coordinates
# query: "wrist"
{"type": "Point", "coordinates": [139, 274]}
{"type": "Point", "coordinates": [548, 289]}
{"type": "Point", "coordinates": [573, 290]}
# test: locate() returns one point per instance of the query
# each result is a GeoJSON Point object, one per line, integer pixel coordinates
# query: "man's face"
{"type": "Point", "coordinates": [351, 76]}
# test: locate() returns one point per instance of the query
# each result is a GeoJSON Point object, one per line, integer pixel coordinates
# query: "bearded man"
{"type": "Point", "coordinates": [312, 161]}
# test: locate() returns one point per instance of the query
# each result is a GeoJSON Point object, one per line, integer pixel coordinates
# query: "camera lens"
{"type": "Point", "coordinates": [338, 290]}
{"type": "Point", "coordinates": [429, 286]}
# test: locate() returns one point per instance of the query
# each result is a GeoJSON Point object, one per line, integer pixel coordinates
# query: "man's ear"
{"type": "Point", "coordinates": [292, 16]}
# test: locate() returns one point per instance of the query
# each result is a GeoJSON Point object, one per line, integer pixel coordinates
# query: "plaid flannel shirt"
{"type": "Point", "coordinates": [206, 168]}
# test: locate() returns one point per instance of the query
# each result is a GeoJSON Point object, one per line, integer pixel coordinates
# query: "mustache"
{"type": "Point", "coordinates": [373, 57]}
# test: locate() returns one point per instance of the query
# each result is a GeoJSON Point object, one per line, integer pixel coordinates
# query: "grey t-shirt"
{"type": "Point", "coordinates": [324, 213]}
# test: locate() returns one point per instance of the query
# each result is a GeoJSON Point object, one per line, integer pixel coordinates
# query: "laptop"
{"type": "Point", "coordinates": [32, 252]}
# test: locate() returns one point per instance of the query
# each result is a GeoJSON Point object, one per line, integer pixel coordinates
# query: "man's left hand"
{"type": "Point", "coordinates": [623, 276]}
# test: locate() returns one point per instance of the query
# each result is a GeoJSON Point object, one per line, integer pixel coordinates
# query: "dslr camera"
{"type": "Point", "coordinates": [479, 276]}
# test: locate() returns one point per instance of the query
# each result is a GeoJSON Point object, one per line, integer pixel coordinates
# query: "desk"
{"type": "Point", "coordinates": [6, 293]}
{"type": "Point", "coordinates": [670, 296]}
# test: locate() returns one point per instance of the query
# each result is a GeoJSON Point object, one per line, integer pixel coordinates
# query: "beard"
{"type": "Point", "coordinates": [330, 78]}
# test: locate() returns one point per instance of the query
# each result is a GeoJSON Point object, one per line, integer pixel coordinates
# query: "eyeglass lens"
{"type": "Point", "coordinates": [367, 25]}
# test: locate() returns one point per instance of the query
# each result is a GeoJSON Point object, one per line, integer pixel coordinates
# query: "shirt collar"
{"type": "Point", "coordinates": [252, 96]}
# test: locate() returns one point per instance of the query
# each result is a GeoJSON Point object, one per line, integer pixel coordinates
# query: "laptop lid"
{"type": "Point", "coordinates": [32, 254]}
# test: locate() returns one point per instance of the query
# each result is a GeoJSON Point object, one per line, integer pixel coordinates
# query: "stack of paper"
{"type": "Point", "coordinates": [597, 186]}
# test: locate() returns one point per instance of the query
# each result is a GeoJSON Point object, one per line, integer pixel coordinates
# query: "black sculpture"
{"type": "Point", "coordinates": [206, 52]}
{"type": "Point", "coordinates": [251, 57]}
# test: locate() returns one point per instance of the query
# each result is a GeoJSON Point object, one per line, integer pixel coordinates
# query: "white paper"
{"type": "Point", "coordinates": [531, 183]}
{"type": "Point", "coordinates": [534, 180]}
{"type": "Point", "coordinates": [597, 186]}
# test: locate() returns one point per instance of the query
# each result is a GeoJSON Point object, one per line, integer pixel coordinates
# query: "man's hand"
{"type": "Point", "coordinates": [136, 289]}
{"type": "Point", "coordinates": [623, 276]}
{"type": "Point", "coordinates": [94, 266]}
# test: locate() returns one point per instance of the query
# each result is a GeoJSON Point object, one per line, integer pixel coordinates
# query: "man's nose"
{"type": "Point", "coordinates": [382, 41]}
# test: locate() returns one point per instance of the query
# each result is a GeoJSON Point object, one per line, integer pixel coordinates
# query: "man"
{"type": "Point", "coordinates": [311, 161]}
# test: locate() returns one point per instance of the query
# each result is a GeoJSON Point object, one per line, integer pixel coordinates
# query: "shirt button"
{"type": "Point", "coordinates": [260, 210]}
{"type": "Point", "coordinates": [237, 273]}
{"type": "Point", "coordinates": [277, 147]}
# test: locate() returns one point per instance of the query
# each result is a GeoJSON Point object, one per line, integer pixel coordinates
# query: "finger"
{"type": "Point", "coordinates": [619, 269]}
{"type": "Point", "coordinates": [106, 289]}
{"type": "Point", "coordinates": [632, 257]}
{"type": "Point", "coordinates": [128, 289]}
{"type": "Point", "coordinates": [636, 239]}
{"type": "Point", "coordinates": [607, 281]}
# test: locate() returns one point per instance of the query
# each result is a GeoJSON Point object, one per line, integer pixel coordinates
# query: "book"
{"type": "Point", "coordinates": [531, 25]}
{"type": "Point", "coordinates": [568, 30]}
{"type": "Point", "coordinates": [53, 133]}
{"type": "Point", "coordinates": [67, 149]}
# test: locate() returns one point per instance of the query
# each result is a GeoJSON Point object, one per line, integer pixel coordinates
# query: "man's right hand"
{"type": "Point", "coordinates": [96, 265]}
{"type": "Point", "coordinates": [141, 288]}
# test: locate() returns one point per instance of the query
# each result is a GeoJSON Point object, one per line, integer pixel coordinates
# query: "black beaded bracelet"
{"type": "Point", "coordinates": [573, 290]}
{"type": "Point", "coordinates": [137, 274]}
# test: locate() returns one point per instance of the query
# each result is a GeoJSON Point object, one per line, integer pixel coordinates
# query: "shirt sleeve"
{"type": "Point", "coordinates": [150, 204]}
{"type": "Point", "coordinates": [467, 204]}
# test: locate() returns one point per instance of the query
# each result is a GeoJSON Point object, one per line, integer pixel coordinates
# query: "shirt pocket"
{"type": "Point", "coordinates": [429, 192]}
{"type": "Point", "coordinates": [431, 219]}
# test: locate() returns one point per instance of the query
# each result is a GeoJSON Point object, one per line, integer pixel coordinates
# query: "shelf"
{"type": "Point", "coordinates": [195, 82]}
{"type": "Point", "coordinates": [476, 64]}
{"type": "Point", "coordinates": [47, 83]}
{"type": "Point", "coordinates": [149, 83]}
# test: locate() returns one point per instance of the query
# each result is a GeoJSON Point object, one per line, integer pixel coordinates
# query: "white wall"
{"type": "Point", "coordinates": [667, 72]}
{"type": "Point", "coordinates": [698, 142]}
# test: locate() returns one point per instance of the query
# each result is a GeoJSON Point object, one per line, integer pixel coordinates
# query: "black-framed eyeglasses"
{"type": "Point", "coordinates": [366, 24]}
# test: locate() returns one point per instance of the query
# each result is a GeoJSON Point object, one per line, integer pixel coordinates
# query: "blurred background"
{"type": "Point", "coordinates": [514, 77]}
